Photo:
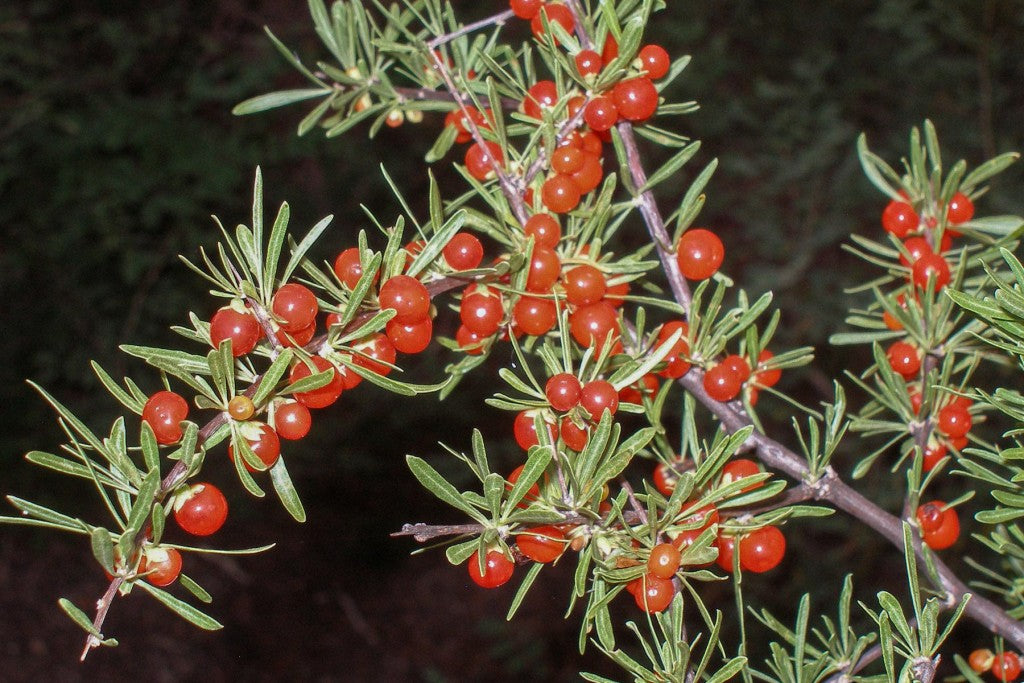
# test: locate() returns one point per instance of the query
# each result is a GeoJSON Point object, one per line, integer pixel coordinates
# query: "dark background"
{"type": "Point", "coordinates": [116, 145]}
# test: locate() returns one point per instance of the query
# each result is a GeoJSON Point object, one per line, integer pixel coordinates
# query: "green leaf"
{"type": "Point", "coordinates": [277, 99]}
{"type": "Point", "coordinates": [123, 397]}
{"type": "Point", "coordinates": [523, 589]}
{"type": "Point", "coordinates": [150, 447]}
{"type": "Point", "coordinates": [536, 462]}
{"type": "Point", "coordinates": [182, 608]}
{"type": "Point", "coordinates": [143, 501]}
{"type": "Point", "coordinates": [273, 375]}
{"type": "Point", "coordinates": [286, 491]}
{"type": "Point", "coordinates": [103, 548]}
{"type": "Point", "coordinates": [194, 588]}
{"type": "Point", "coordinates": [671, 166]}
{"type": "Point", "coordinates": [439, 486]}
{"type": "Point", "coordinates": [79, 617]}
{"type": "Point", "coordinates": [47, 515]}
{"type": "Point", "coordinates": [58, 464]}
{"type": "Point", "coordinates": [460, 552]}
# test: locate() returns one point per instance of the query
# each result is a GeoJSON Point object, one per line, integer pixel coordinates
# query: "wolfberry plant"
{"type": "Point", "coordinates": [549, 134]}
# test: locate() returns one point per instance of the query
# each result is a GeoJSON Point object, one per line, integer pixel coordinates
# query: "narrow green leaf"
{"type": "Point", "coordinates": [79, 617]}
{"type": "Point", "coordinates": [671, 166]}
{"type": "Point", "coordinates": [432, 480]}
{"type": "Point", "coordinates": [150, 447]}
{"type": "Point", "coordinates": [523, 589]}
{"type": "Point", "coordinates": [286, 491]}
{"type": "Point", "coordinates": [275, 243]}
{"type": "Point", "coordinates": [47, 515]}
{"type": "Point", "coordinates": [103, 548]}
{"type": "Point", "coordinates": [58, 464]}
{"type": "Point", "coordinates": [298, 251]}
{"type": "Point", "coordinates": [536, 462]}
{"type": "Point", "coordinates": [277, 99]}
{"type": "Point", "coordinates": [143, 501]}
{"type": "Point", "coordinates": [272, 376]}
{"type": "Point", "coordinates": [182, 608]}
{"type": "Point", "coordinates": [122, 396]}
{"type": "Point", "coordinates": [195, 589]}
{"type": "Point", "coordinates": [460, 552]}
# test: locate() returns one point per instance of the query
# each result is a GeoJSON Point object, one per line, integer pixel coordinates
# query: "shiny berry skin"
{"type": "Point", "coordinates": [544, 229]}
{"type": "Point", "coordinates": [469, 341]}
{"type": "Point", "coordinates": [378, 354]}
{"type": "Point", "coordinates": [610, 48]}
{"type": "Point", "coordinates": [904, 359]}
{"type": "Point", "coordinates": [899, 218]}
{"type": "Point", "coordinates": [242, 329]}
{"type": "Point", "coordinates": [762, 549]}
{"type": "Point", "coordinates": [348, 268]}
{"type": "Point", "coordinates": [616, 294]}
{"type": "Point", "coordinates": [292, 420]}
{"type": "Point", "coordinates": [563, 391]}
{"type": "Point", "coordinates": [598, 396]}
{"type": "Point", "coordinates": [766, 378]}
{"type": "Point", "coordinates": [555, 13]}
{"type": "Point", "coordinates": [267, 447]}
{"type": "Point", "coordinates": [726, 549]}
{"type": "Point", "coordinates": [545, 267]}
{"type": "Point", "coordinates": [590, 174]}
{"type": "Point", "coordinates": [741, 468]}
{"type": "Point", "coordinates": [532, 493]}
{"type": "Point", "coordinates": [700, 254]}
{"type": "Point", "coordinates": [541, 95]}
{"type": "Point", "coordinates": [161, 566]}
{"type": "Point", "coordinates": [663, 561]}
{"type": "Point", "coordinates": [1006, 666]}
{"type": "Point", "coordinates": [739, 365]}
{"type": "Point", "coordinates": [525, 9]}
{"type": "Point", "coordinates": [584, 285]}
{"type": "Point", "coordinates": [535, 315]}
{"type": "Point", "coordinates": [590, 325]}
{"type": "Point", "coordinates": [296, 338]}
{"type": "Point", "coordinates": [664, 479]}
{"type": "Point", "coordinates": [722, 383]}
{"type": "Point", "coordinates": [497, 569]}
{"type": "Point", "coordinates": [201, 510]}
{"type": "Point", "coordinates": [164, 411]}
{"type": "Point", "coordinates": [917, 247]}
{"type": "Point", "coordinates": [635, 98]}
{"type": "Point", "coordinates": [407, 296]}
{"type": "Point", "coordinates": [645, 386]}
{"type": "Point", "coordinates": [410, 337]}
{"type": "Point", "coordinates": [677, 365]}
{"type": "Point", "coordinates": [655, 594]}
{"type": "Point", "coordinates": [588, 63]}
{"type": "Point", "coordinates": [566, 160]}
{"type": "Point", "coordinates": [931, 265]}
{"type": "Point", "coordinates": [939, 527]}
{"type": "Point", "coordinates": [295, 306]}
{"type": "Point", "coordinates": [955, 421]}
{"type": "Point", "coordinates": [574, 437]}
{"type": "Point", "coordinates": [525, 430]}
{"type": "Point", "coordinates": [542, 544]}
{"type": "Point", "coordinates": [463, 251]}
{"type": "Point", "coordinates": [481, 161]}
{"type": "Point", "coordinates": [601, 113]}
{"type": "Point", "coordinates": [560, 194]}
{"type": "Point", "coordinates": [457, 119]}
{"type": "Point", "coordinates": [655, 61]}
{"type": "Point", "coordinates": [931, 456]}
{"type": "Point", "coordinates": [481, 311]}
{"type": "Point", "coordinates": [960, 209]}
{"type": "Point", "coordinates": [241, 408]}
{"type": "Point", "coordinates": [325, 395]}
{"type": "Point", "coordinates": [980, 661]}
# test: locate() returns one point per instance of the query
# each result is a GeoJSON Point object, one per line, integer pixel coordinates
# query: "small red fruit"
{"type": "Point", "coordinates": [904, 359]}
{"type": "Point", "coordinates": [164, 411]}
{"type": "Point", "coordinates": [574, 437]}
{"type": "Point", "coordinates": [544, 269]}
{"type": "Point", "coordinates": [535, 315]}
{"type": "Point", "coordinates": [766, 378]}
{"type": "Point", "coordinates": [541, 95]}
{"type": "Point", "coordinates": [655, 594]}
{"type": "Point", "coordinates": [160, 565]}
{"type": "Point", "coordinates": [407, 296]}
{"type": "Point", "coordinates": [295, 306]}
{"type": "Point", "coordinates": [556, 13]}
{"type": "Point", "coordinates": [955, 421]}
{"type": "Point", "coordinates": [664, 560]}
{"type": "Point", "coordinates": [722, 383]}
{"type": "Point", "coordinates": [665, 478]}
{"type": "Point", "coordinates": [1006, 666]}
{"type": "Point", "coordinates": [588, 62]}
{"type": "Point", "coordinates": [677, 364]}
{"type": "Point", "coordinates": [292, 420]}
{"type": "Point", "coordinates": [726, 545]}
{"type": "Point", "coordinates": [497, 569]}
{"type": "Point", "coordinates": [325, 395]}
{"type": "Point", "coordinates": [482, 311]}
{"type": "Point", "coordinates": [525, 9]}
{"type": "Point", "coordinates": [481, 161]}
{"type": "Point", "coordinates": [700, 254]}
{"type": "Point", "coordinates": [410, 337]}
{"type": "Point", "coordinates": [635, 98]}
{"type": "Point", "coordinates": [560, 194]}
{"type": "Point", "coordinates": [591, 325]}
{"type": "Point", "coordinates": [241, 408]}
{"type": "Point", "coordinates": [267, 447]}
{"type": "Point", "coordinates": [544, 229]}
{"type": "Point", "coordinates": [525, 430]}
{"type": "Point", "coordinates": [981, 660]}
{"type": "Point", "coordinates": [348, 268]}
{"type": "Point", "coordinates": [655, 61]}
{"type": "Point", "coordinates": [601, 113]}
{"type": "Point", "coordinates": [739, 365]}
{"type": "Point", "coordinates": [584, 285]}
{"type": "Point", "coordinates": [931, 265]}
{"type": "Point", "coordinates": [741, 468]}
{"type": "Point", "coordinates": [598, 396]}
{"type": "Point", "coordinates": [463, 251]}
{"type": "Point", "coordinates": [531, 493]}
{"type": "Point", "coordinates": [242, 329]}
{"type": "Point", "coordinates": [563, 391]}
{"type": "Point", "coordinates": [762, 549]}
{"type": "Point", "coordinates": [201, 509]}
{"type": "Point", "coordinates": [542, 544]}
{"type": "Point", "coordinates": [469, 341]}
{"type": "Point", "coordinates": [940, 526]}
{"type": "Point", "coordinates": [566, 160]}
{"type": "Point", "coordinates": [378, 354]}
{"type": "Point", "coordinates": [899, 218]}
{"type": "Point", "coordinates": [960, 209]}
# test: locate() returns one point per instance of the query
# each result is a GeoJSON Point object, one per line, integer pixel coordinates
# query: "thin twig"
{"type": "Point", "coordinates": [498, 19]}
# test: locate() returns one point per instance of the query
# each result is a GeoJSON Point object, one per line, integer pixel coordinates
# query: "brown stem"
{"type": "Point", "coordinates": [494, 20]}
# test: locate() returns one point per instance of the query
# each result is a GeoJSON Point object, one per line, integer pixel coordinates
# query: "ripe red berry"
{"type": "Point", "coordinates": [481, 161]}
{"type": "Point", "coordinates": [348, 268]}
{"type": "Point", "coordinates": [762, 549]}
{"type": "Point", "coordinates": [410, 337]}
{"type": "Point", "coordinates": [292, 420]}
{"type": "Point", "coordinates": [542, 544]}
{"type": "Point", "coordinates": [677, 364]}
{"type": "Point", "coordinates": [722, 383]}
{"type": "Point", "coordinates": [525, 9]}
{"type": "Point", "coordinates": [535, 315]}
{"type": "Point", "coordinates": [739, 365]}
{"type": "Point", "coordinates": [960, 209]}
{"type": "Point", "coordinates": [981, 660]}
{"type": "Point", "coordinates": [161, 566]}
{"type": "Point", "coordinates": [933, 453]}
{"type": "Point", "coordinates": [295, 306]}
{"type": "Point", "coordinates": [610, 48]}
{"type": "Point", "coordinates": [267, 447]}
{"type": "Point", "coordinates": [591, 325]}
{"type": "Point", "coordinates": [899, 218]}
{"type": "Point", "coordinates": [904, 359]}
{"type": "Point", "coordinates": [700, 254]}
{"type": "Point", "coordinates": [469, 341]}
{"type": "Point", "coordinates": [955, 421]}
{"type": "Point", "coordinates": [545, 267]}
{"type": "Point", "coordinates": [726, 545]}
{"type": "Point", "coordinates": [655, 61]}
{"type": "Point", "coordinates": [601, 113]}
{"type": "Point", "coordinates": [766, 378]}
{"type": "Point", "coordinates": [598, 396]}
{"type": "Point", "coordinates": [940, 526]}
{"type": "Point", "coordinates": [566, 160]}
{"type": "Point", "coordinates": [917, 247]}
{"type": "Point", "coordinates": [664, 479]}
{"type": "Point", "coordinates": [544, 229]}
{"type": "Point", "coordinates": [377, 354]}
{"type": "Point", "coordinates": [407, 296]}
{"type": "Point", "coordinates": [531, 493]}
{"type": "Point", "coordinates": [574, 436]}
{"type": "Point", "coordinates": [741, 468]}
{"type": "Point", "coordinates": [325, 395]}
{"type": "Point", "coordinates": [584, 285]}
{"type": "Point", "coordinates": [541, 95]}
{"type": "Point", "coordinates": [563, 391]}
{"type": "Point", "coordinates": [242, 329]}
{"type": "Point", "coordinates": [463, 251]}
{"type": "Point", "coordinates": [589, 176]}
{"type": "Point", "coordinates": [1006, 666]}
{"type": "Point", "coordinates": [560, 194]}
{"type": "Point", "coordinates": [588, 62]}
{"type": "Point", "coordinates": [645, 386]}
{"type": "Point", "coordinates": [201, 509]}
{"type": "Point", "coordinates": [655, 594]}
{"type": "Point", "coordinates": [525, 431]}
{"type": "Point", "coordinates": [635, 98]}
{"type": "Point", "coordinates": [164, 411]}
{"type": "Point", "coordinates": [931, 265]}
{"type": "Point", "coordinates": [555, 13]}
{"type": "Point", "coordinates": [497, 569]}
{"type": "Point", "coordinates": [664, 560]}
{"type": "Point", "coordinates": [297, 338]}
{"type": "Point", "coordinates": [482, 311]}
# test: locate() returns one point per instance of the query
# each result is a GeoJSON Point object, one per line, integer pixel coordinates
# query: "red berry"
{"type": "Point", "coordinates": [610, 48]}
{"type": "Point", "coordinates": [563, 391]}
{"type": "Point", "coordinates": [655, 594]}
{"type": "Point", "coordinates": [160, 565]}
{"type": "Point", "coordinates": [541, 95]}
{"type": "Point", "coordinates": [201, 509]}
{"type": "Point", "coordinates": [645, 386]}
{"type": "Point", "coordinates": [242, 329]}
{"type": "Point", "coordinates": [762, 549]}
{"type": "Point", "coordinates": [297, 338]}
{"type": "Point", "coordinates": [739, 365]}
{"type": "Point", "coordinates": [766, 378]}
{"type": "Point", "coordinates": [655, 61]}
{"type": "Point", "coordinates": [899, 218]}
{"type": "Point", "coordinates": [960, 209]}
{"type": "Point", "coordinates": [677, 365]}
{"type": "Point", "coordinates": [722, 383]}
{"type": "Point", "coordinates": [325, 395]}
{"type": "Point", "coordinates": [482, 161]}
{"type": "Point", "coordinates": [348, 267]}
{"type": "Point", "coordinates": [598, 396]}
{"type": "Point", "coordinates": [665, 478]}
{"type": "Point", "coordinates": [525, 430]}
{"type": "Point", "coordinates": [560, 194]}
{"type": "Point", "coordinates": [590, 174]}
{"type": "Point", "coordinates": [904, 359]}
{"type": "Point", "coordinates": [378, 354]}
{"type": "Point", "coordinates": [574, 436]}
{"type": "Point", "coordinates": [584, 285]}
{"type": "Point", "coordinates": [917, 247]}
{"type": "Point", "coordinates": [482, 311]}
{"type": "Point", "coordinates": [955, 421]}
{"type": "Point", "coordinates": [497, 569]}
{"type": "Point", "coordinates": [1006, 666]}
{"type": "Point", "coordinates": [591, 325]}
{"type": "Point", "coordinates": [726, 549]}
{"type": "Point", "coordinates": [410, 337]}
{"type": "Point", "coordinates": [931, 456]}
{"type": "Point", "coordinates": [601, 113]}
{"type": "Point", "coordinates": [407, 296]}
{"type": "Point", "coordinates": [931, 265]}
{"type": "Point", "coordinates": [525, 9]}
{"type": "Point", "coordinates": [555, 13]}
{"type": "Point", "coordinates": [164, 411]}
{"type": "Point", "coordinates": [267, 447]}
{"type": "Point", "coordinates": [535, 315]}
{"type": "Point", "coordinates": [566, 160]}
{"type": "Point", "coordinates": [463, 251]}
{"type": "Point", "coordinates": [544, 229]}
{"type": "Point", "coordinates": [981, 660]}
{"type": "Point", "coordinates": [542, 544]}
{"type": "Point", "coordinates": [700, 254]}
{"type": "Point", "coordinates": [292, 420]}
{"type": "Point", "coordinates": [545, 267]}
{"type": "Point", "coordinates": [469, 341]}
{"type": "Point", "coordinates": [616, 294]}
{"type": "Point", "coordinates": [295, 306]}
{"type": "Point", "coordinates": [635, 98]}
{"type": "Point", "coordinates": [741, 468]}
{"type": "Point", "coordinates": [940, 526]}
{"type": "Point", "coordinates": [531, 493]}
{"type": "Point", "coordinates": [664, 560]}
{"type": "Point", "coordinates": [588, 62]}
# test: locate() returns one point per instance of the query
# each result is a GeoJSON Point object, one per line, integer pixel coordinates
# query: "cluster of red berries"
{"type": "Point", "coordinates": [939, 524]}
{"type": "Point", "coordinates": [725, 380]}
{"type": "Point", "coordinates": [953, 422]}
{"type": "Point", "coordinates": [576, 406]}
{"type": "Point", "coordinates": [1005, 666]}
{"type": "Point", "coordinates": [923, 256]}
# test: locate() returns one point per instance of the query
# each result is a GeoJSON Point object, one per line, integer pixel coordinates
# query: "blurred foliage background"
{"type": "Point", "coordinates": [116, 145]}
